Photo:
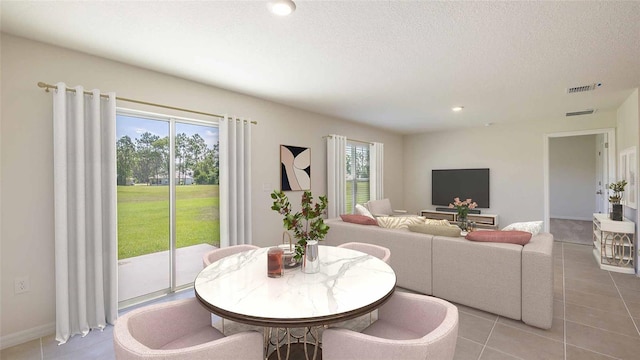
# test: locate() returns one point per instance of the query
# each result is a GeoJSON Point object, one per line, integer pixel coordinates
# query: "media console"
{"type": "Point", "coordinates": [484, 221]}
{"type": "Point", "coordinates": [448, 209]}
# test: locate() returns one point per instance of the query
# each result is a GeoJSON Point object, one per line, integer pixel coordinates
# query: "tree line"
{"type": "Point", "coordinates": [146, 159]}
{"type": "Point", "coordinates": [357, 158]}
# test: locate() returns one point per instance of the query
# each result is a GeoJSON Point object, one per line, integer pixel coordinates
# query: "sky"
{"type": "Point", "coordinates": [136, 126]}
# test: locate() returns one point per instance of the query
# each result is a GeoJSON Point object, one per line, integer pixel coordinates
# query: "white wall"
{"type": "Point", "coordinates": [27, 172]}
{"type": "Point", "coordinates": [512, 152]}
{"type": "Point", "coordinates": [627, 133]}
{"type": "Point", "coordinates": [572, 174]}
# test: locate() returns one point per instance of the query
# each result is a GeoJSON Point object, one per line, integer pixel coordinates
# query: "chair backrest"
{"type": "Point", "coordinates": [183, 315]}
{"type": "Point", "coordinates": [179, 330]}
{"type": "Point", "coordinates": [409, 326]}
{"type": "Point", "coordinates": [437, 319]}
{"type": "Point", "coordinates": [379, 207]}
{"type": "Point", "coordinates": [380, 252]}
{"type": "Point", "coordinates": [217, 254]}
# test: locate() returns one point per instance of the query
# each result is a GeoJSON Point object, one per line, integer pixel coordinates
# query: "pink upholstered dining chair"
{"type": "Point", "coordinates": [217, 254]}
{"type": "Point", "coordinates": [409, 326]}
{"type": "Point", "coordinates": [380, 252]}
{"type": "Point", "coordinates": [179, 330]}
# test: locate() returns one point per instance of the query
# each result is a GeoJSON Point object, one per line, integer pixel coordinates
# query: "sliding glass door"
{"type": "Point", "coordinates": [168, 208]}
{"type": "Point", "coordinates": [197, 218]}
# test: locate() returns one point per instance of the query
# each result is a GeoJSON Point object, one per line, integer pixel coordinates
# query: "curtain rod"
{"type": "Point", "coordinates": [360, 141]}
{"type": "Point", "coordinates": [46, 87]}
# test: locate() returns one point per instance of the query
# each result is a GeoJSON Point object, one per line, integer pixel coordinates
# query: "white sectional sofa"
{"type": "Point", "coordinates": [511, 280]}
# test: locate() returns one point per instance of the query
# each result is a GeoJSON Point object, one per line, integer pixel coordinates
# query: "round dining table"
{"type": "Point", "coordinates": [349, 284]}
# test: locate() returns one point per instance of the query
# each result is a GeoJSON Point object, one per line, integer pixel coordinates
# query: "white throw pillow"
{"type": "Point", "coordinates": [534, 227]}
{"type": "Point", "coordinates": [380, 207]}
{"type": "Point", "coordinates": [361, 210]}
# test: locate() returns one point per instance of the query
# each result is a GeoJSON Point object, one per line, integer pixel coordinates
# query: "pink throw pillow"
{"type": "Point", "coordinates": [358, 219]}
{"type": "Point", "coordinates": [513, 236]}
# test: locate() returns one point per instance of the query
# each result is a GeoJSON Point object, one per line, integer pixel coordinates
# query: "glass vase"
{"type": "Point", "coordinates": [310, 259]}
{"type": "Point", "coordinates": [462, 223]}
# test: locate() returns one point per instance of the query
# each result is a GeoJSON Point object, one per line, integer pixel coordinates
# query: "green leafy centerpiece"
{"type": "Point", "coordinates": [306, 224]}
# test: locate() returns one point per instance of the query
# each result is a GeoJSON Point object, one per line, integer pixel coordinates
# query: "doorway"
{"type": "Point", "coordinates": [168, 203]}
{"type": "Point", "coordinates": [577, 169]}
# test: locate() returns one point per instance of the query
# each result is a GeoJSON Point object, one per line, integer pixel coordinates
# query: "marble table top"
{"type": "Point", "coordinates": [350, 283]}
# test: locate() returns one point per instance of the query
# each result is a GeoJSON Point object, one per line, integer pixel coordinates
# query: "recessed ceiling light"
{"type": "Point", "coordinates": [457, 108]}
{"type": "Point", "coordinates": [281, 7]}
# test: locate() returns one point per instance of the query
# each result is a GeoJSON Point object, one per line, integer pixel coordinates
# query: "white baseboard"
{"type": "Point", "coordinates": [571, 218]}
{"type": "Point", "coordinates": [27, 335]}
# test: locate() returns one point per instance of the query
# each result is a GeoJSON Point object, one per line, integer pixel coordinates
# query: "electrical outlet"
{"type": "Point", "coordinates": [21, 285]}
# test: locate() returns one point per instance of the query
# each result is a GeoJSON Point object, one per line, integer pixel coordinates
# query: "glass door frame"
{"type": "Point", "coordinates": [171, 120]}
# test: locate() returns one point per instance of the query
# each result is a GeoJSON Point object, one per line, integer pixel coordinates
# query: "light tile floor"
{"type": "Point", "coordinates": [596, 316]}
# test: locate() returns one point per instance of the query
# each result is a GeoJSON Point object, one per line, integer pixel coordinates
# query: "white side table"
{"type": "Point", "coordinates": [613, 243]}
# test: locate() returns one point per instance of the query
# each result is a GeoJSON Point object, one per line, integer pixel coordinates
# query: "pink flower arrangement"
{"type": "Point", "coordinates": [463, 206]}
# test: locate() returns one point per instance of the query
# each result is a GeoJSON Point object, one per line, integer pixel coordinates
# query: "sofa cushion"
{"type": "Point", "coordinates": [361, 210]}
{"type": "Point", "coordinates": [358, 219]}
{"type": "Point", "coordinates": [437, 222]}
{"type": "Point", "coordinates": [534, 227]}
{"type": "Point", "coordinates": [512, 237]}
{"type": "Point", "coordinates": [483, 275]}
{"type": "Point", "coordinates": [441, 230]}
{"type": "Point", "coordinates": [407, 250]}
{"type": "Point", "coordinates": [400, 222]}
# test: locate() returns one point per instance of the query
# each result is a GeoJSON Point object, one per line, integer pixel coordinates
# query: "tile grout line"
{"type": "Point", "coordinates": [473, 341]}
{"type": "Point", "coordinates": [624, 302]}
{"type": "Point", "coordinates": [532, 332]}
{"type": "Point", "coordinates": [564, 306]}
{"type": "Point", "coordinates": [595, 352]}
{"type": "Point", "coordinates": [506, 353]}
{"type": "Point", "coordinates": [601, 329]}
{"type": "Point", "coordinates": [488, 337]}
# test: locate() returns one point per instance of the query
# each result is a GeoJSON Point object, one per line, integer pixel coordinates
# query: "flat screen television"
{"type": "Point", "coordinates": [463, 183]}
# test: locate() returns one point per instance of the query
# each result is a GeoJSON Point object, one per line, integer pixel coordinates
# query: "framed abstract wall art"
{"type": "Point", "coordinates": [628, 171]}
{"type": "Point", "coordinates": [295, 168]}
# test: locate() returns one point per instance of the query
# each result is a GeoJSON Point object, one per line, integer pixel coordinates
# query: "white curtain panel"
{"type": "Point", "coordinates": [336, 175]}
{"type": "Point", "coordinates": [235, 182]}
{"type": "Point", "coordinates": [376, 171]}
{"type": "Point", "coordinates": [85, 211]}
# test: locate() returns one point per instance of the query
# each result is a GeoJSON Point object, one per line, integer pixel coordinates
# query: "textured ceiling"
{"type": "Point", "coordinates": [395, 65]}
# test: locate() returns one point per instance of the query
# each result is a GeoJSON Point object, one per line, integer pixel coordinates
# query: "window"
{"type": "Point", "coordinates": [357, 161]}
{"type": "Point", "coordinates": [168, 202]}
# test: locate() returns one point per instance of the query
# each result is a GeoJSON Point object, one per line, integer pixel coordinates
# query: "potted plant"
{"type": "Point", "coordinates": [307, 224]}
{"type": "Point", "coordinates": [616, 207]}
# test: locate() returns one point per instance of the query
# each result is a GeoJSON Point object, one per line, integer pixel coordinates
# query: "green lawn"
{"type": "Point", "coordinates": [143, 218]}
{"type": "Point", "coordinates": [363, 194]}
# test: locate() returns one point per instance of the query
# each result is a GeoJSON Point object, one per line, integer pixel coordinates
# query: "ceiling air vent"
{"type": "Point", "coordinates": [583, 112]}
{"type": "Point", "coordinates": [583, 88]}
